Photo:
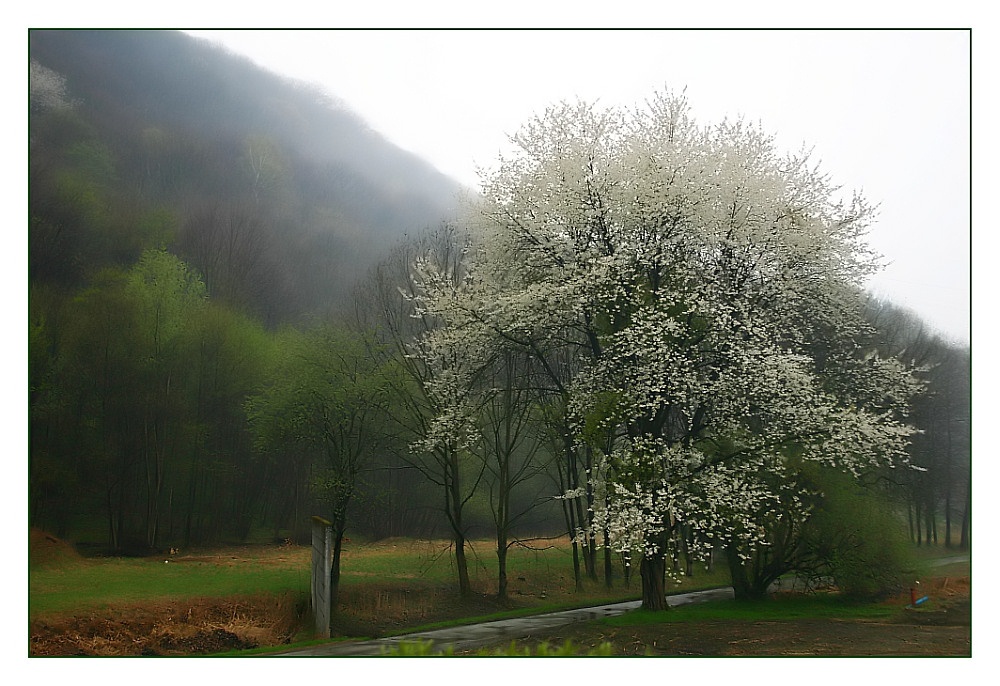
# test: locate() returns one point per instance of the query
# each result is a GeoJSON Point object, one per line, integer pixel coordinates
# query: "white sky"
{"type": "Point", "coordinates": [887, 112]}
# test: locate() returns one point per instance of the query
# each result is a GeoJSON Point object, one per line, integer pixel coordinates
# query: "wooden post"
{"type": "Point", "coordinates": [322, 561]}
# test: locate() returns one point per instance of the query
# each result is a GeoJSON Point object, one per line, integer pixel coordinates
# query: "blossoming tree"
{"type": "Point", "coordinates": [691, 294]}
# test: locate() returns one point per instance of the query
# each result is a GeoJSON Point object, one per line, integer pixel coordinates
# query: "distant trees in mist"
{"type": "Point", "coordinates": [152, 148]}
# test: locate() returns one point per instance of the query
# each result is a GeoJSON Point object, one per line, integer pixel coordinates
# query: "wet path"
{"type": "Point", "coordinates": [474, 636]}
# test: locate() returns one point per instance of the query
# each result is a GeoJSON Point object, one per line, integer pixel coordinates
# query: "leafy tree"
{"type": "Point", "coordinates": [433, 378]}
{"type": "Point", "coordinates": [51, 480]}
{"type": "Point", "coordinates": [96, 390]}
{"type": "Point", "coordinates": [121, 397]}
{"type": "Point", "coordinates": [222, 487]}
{"type": "Point", "coordinates": [682, 268]}
{"type": "Point", "coordinates": [855, 538]}
{"type": "Point", "coordinates": [328, 398]}
{"type": "Point", "coordinates": [822, 525]}
{"type": "Point", "coordinates": [166, 294]}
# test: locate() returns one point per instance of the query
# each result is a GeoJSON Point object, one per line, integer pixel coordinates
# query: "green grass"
{"type": "Point", "coordinates": [773, 609]}
{"type": "Point", "coordinates": [584, 601]}
{"type": "Point", "coordinates": [592, 595]}
{"type": "Point", "coordinates": [514, 649]}
{"type": "Point", "coordinates": [93, 583]}
{"type": "Point", "coordinates": [97, 583]}
{"type": "Point", "coordinates": [925, 561]}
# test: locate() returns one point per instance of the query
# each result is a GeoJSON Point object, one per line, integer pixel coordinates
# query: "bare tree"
{"type": "Point", "coordinates": [384, 304]}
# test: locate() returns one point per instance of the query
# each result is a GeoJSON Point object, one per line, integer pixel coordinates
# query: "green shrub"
{"type": "Point", "coordinates": [567, 649]}
{"type": "Point", "coordinates": [859, 540]}
{"type": "Point", "coordinates": [416, 649]}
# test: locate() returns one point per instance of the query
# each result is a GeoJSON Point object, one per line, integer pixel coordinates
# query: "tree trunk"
{"type": "Point", "coordinates": [577, 576]}
{"type": "Point", "coordinates": [653, 570]}
{"type": "Point", "coordinates": [591, 534]}
{"type": "Point", "coordinates": [947, 519]}
{"type": "Point", "coordinates": [114, 519]}
{"type": "Point", "coordinates": [586, 548]}
{"type": "Point", "coordinates": [568, 508]}
{"type": "Point", "coordinates": [453, 509]}
{"type": "Point", "coordinates": [502, 523]}
{"type": "Point", "coordinates": [688, 561]}
{"type": "Point", "coordinates": [744, 587]}
{"type": "Point", "coordinates": [464, 587]}
{"type": "Point", "coordinates": [502, 570]}
{"type": "Point", "coordinates": [338, 542]}
{"type": "Point", "coordinates": [947, 485]}
{"type": "Point", "coordinates": [963, 542]}
{"type": "Point", "coordinates": [608, 567]}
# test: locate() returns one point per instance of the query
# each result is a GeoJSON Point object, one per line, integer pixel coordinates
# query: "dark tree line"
{"type": "Point", "coordinates": [185, 205]}
{"type": "Point", "coordinates": [938, 497]}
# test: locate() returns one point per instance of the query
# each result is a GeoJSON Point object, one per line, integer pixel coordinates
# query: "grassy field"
{"type": "Point", "coordinates": [790, 624]}
{"type": "Point", "coordinates": [246, 597]}
{"type": "Point", "coordinates": [258, 595]}
{"type": "Point", "coordinates": [537, 573]}
{"type": "Point", "coordinates": [86, 584]}
{"type": "Point", "coordinates": [72, 583]}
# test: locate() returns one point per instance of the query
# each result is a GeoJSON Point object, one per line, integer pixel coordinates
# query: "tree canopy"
{"type": "Point", "coordinates": [694, 296]}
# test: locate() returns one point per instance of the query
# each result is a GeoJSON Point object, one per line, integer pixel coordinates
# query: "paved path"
{"type": "Point", "coordinates": [495, 633]}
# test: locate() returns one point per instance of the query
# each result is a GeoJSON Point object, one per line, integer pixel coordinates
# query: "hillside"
{"type": "Point", "coordinates": [274, 192]}
{"type": "Point", "coordinates": [191, 215]}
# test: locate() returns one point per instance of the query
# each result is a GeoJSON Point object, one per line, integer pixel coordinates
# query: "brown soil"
{"type": "Point", "coordinates": [199, 626]}
{"type": "Point", "coordinates": [179, 628]}
{"type": "Point", "coordinates": [44, 549]}
{"type": "Point", "coordinates": [214, 625]}
{"type": "Point", "coordinates": [940, 627]}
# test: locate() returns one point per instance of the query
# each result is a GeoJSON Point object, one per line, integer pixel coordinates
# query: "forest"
{"type": "Point", "coordinates": [247, 308]}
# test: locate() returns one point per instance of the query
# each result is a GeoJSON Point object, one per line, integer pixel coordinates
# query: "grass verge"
{"type": "Point", "coordinates": [820, 606]}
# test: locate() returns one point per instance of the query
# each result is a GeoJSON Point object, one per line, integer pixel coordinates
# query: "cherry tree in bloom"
{"type": "Point", "coordinates": [705, 290]}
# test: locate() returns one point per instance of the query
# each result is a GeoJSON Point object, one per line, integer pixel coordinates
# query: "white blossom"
{"type": "Point", "coordinates": [685, 287]}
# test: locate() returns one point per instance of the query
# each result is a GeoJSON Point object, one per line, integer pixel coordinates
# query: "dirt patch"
{"type": "Point", "coordinates": [45, 550]}
{"type": "Point", "coordinates": [205, 626]}
{"type": "Point", "coordinates": [188, 627]}
{"type": "Point", "coordinates": [939, 627]}
{"type": "Point", "coordinates": [948, 603]}
{"type": "Point", "coordinates": [785, 638]}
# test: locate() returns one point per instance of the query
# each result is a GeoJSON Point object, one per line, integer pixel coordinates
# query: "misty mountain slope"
{"type": "Point", "coordinates": [275, 192]}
